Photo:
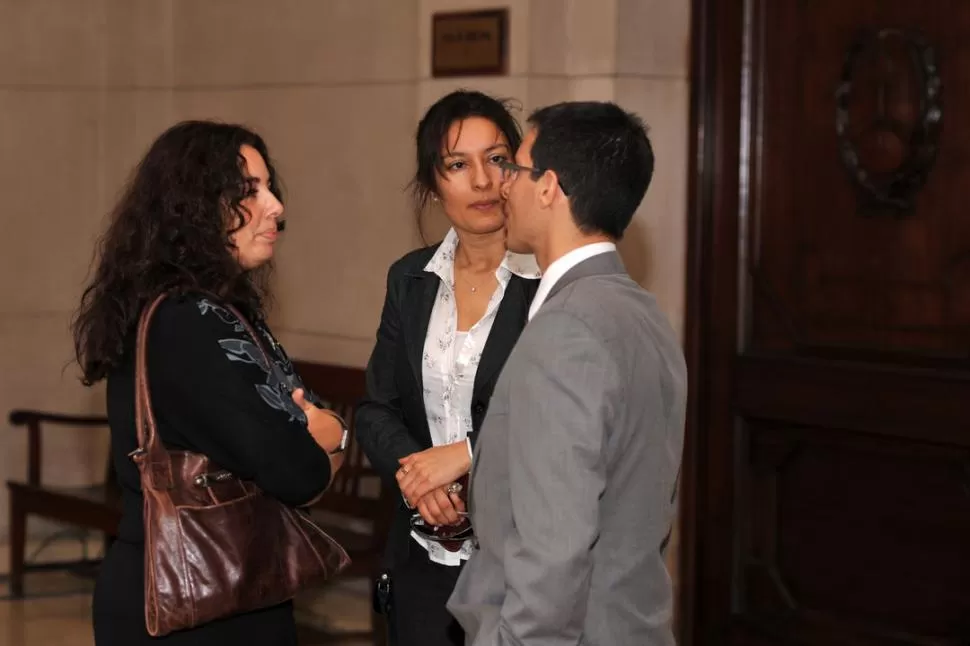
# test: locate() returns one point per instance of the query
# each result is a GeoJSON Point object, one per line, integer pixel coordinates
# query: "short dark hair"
{"type": "Point", "coordinates": [603, 158]}
{"type": "Point", "coordinates": [433, 130]}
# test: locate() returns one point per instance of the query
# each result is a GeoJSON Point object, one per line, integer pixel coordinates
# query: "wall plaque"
{"type": "Point", "coordinates": [469, 43]}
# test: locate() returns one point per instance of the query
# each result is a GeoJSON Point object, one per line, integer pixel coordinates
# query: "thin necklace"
{"type": "Point", "coordinates": [474, 288]}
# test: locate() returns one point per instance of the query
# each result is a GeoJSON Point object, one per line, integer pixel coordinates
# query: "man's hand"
{"type": "Point", "coordinates": [441, 508]}
{"type": "Point", "coordinates": [324, 427]}
{"type": "Point", "coordinates": [431, 469]}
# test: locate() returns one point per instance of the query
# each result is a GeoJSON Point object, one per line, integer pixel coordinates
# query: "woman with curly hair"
{"type": "Point", "coordinates": [198, 220]}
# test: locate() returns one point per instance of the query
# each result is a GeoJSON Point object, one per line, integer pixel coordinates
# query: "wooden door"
{"type": "Point", "coordinates": [827, 472]}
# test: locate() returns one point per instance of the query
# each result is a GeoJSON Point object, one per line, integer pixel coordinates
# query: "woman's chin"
{"type": "Point", "coordinates": [253, 262]}
{"type": "Point", "coordinates": [484, 225]}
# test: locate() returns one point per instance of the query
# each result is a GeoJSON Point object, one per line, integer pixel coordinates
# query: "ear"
{"type": "Point", "coordinates": [548, 186]}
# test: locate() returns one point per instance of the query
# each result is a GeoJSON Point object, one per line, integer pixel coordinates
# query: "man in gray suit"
{"type": "Point", "coordinates": [574, 477]}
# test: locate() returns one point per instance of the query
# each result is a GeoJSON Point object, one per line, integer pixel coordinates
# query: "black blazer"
{"type": "Point", "coordinates": [391, 422]}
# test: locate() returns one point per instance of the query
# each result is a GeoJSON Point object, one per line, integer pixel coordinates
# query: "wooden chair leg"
{"type": "Point", "coordinates": [18, 545]}
{"type": "Point", "coordinates": [108, 542]}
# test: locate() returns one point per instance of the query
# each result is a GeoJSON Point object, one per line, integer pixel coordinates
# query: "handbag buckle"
{"type": "Point", "coordinates": [209, 479]}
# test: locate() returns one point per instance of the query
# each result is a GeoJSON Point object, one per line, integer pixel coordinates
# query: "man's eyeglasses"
{"type": "Point", "coordinates": [511, 169]}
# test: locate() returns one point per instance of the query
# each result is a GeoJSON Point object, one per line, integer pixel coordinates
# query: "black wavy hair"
{"type": "Point", "coordinates": [170, 230]}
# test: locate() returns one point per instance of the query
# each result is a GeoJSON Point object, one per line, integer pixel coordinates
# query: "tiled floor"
{"type": "Point", "coordinates": [57, 610]}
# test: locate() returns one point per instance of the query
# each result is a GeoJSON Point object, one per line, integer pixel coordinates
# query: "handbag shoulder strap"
{"type": "Point", "coordinates": [150, 452]}
{"type": "Point", "coordinates": [151, 456]}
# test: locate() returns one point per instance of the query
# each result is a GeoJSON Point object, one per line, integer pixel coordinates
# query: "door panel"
{"type": "Point", "coordinates": [838, 529]}
{"type": "Point", "coordinates": [827, 472]}
{"type": "Point", "coordinates": [828, 268]}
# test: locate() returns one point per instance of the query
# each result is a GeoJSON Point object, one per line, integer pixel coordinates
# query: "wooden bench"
{"type": "Point", "coordinates": [355, 510]}
{"type": "Point", "coordinates": [96, 507]}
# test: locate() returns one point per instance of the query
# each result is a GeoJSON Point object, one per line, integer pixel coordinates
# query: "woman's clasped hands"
{"type": "Point", "coordinates": [427, 482]}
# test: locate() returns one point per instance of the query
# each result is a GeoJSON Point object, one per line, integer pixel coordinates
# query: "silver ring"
{"type": "Point", "coordinates": [454, 487]}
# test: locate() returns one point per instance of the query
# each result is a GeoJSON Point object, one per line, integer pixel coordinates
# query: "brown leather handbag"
{"type": "Point", "coordinates": [215, 545]}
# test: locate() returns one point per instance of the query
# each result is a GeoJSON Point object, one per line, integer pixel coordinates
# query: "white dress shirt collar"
{"type": "Point", "coordinates": [562, 265]}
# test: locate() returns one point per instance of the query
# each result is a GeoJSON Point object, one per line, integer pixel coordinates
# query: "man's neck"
{"type": "Point", "coordinates": [555, 248]}
{"type": "Point", "coordinates": [480, 252]}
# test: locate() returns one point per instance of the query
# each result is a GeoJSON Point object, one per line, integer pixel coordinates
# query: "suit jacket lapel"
{"type": "Point", "coordinates": [419, 303]}
{"type": "Point", "coordinates": [509, 321]}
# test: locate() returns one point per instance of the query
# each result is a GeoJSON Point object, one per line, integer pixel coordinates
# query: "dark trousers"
{"type": "Point", "coordinates": [420, 590]}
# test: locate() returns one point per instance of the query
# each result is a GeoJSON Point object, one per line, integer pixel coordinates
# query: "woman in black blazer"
{"type": "Point", "coordinates": [452, 314]}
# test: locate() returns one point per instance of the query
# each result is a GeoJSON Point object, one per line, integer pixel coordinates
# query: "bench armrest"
{"type": "Point", "coordinates": [33, 419]}
{"type": "Point", "coordinates": [26, 417]}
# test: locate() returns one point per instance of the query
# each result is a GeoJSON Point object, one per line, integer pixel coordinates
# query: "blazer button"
{"type": "Point", "coordinates": [478, 408]}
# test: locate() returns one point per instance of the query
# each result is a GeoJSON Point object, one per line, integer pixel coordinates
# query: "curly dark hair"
{"type": "Point", "coordinates": [171, 230]}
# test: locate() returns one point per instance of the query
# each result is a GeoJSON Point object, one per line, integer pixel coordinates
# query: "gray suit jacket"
{"type": "Point", "coordinates": [574, 478]}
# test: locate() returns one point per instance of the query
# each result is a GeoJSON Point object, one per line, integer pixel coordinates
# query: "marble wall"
{"type": "Point", "coordinates": [337, 88]}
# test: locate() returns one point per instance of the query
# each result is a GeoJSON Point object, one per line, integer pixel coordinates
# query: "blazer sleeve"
{"type": "Point", "coordinates": [218, 397]}
{"type": "Point", "coordinates": [379, 422]}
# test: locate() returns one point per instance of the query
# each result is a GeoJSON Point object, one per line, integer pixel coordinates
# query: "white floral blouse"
{"type": "Point", "coordinates": [450, 360]}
